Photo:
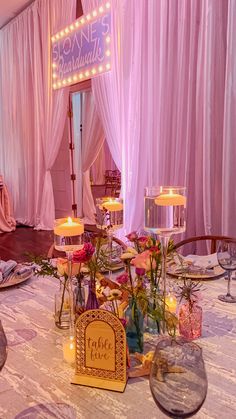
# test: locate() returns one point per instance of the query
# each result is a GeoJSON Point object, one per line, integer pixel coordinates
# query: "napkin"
{"type": "Point", "coordinates": [23, 270]}
{"type": "Point", "coordinates": [7, 267]}
{"type": "Point", "coordinates": [203, 262]}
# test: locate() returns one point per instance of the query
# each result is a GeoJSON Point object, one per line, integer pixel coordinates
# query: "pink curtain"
{"type": "Point", "coordinates": [7, 222]}
{"type": "Point", "coordinates": [92, 141]}
{"type": "Point", "coordinates": [32, 115]}
{"type": "Point", "coordinates": [168, 105]}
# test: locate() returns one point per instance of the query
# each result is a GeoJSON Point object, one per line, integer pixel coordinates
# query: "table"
{"type": "Point", "coordinates": [35, 377]}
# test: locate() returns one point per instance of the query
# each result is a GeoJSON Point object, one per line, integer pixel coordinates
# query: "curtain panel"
{"type": "Point", "coordinates": [32, 115]}
{"type": "Point", "coordinates": [92, 141]}
{"type": "Point", "coordinates": [168, 105]}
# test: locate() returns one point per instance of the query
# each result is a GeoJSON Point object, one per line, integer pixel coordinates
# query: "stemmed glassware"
{"type": "Point", "coordinates": [3, 347]}
{"type": "Point", "coordinates": [165, 214]}
{"type": "Point", "coordinates": [226, 254]}
{"type": "Point", "coordinates": [69, 237]}
{"type": "Point", "coordinates": [109, 217]}
{"type": "Point", "coordinates": [178, 380]}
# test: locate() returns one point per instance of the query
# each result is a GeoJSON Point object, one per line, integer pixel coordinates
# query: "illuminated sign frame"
{"type": "Point", "coordinates": [81, 50]}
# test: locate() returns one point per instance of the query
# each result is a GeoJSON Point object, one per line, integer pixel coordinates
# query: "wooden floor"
{"type": "Point", "coordinates": [24, 240]}
{"type": "Point", "coordinates": [15, 245]}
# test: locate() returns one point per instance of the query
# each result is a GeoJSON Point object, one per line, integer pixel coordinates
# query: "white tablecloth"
{"type": "Point", "coordinates": [36, 379]}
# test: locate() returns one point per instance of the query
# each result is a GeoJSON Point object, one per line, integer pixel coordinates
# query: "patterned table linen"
{"type": "Point", "coordinates": [35, 382]}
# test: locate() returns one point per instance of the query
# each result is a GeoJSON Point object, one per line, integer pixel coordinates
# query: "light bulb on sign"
{"type": "Point", "coordinates": [108, 5]}
{"type": "Point", "coordinates": [94, 13]}
{"type": "Point", "coordinates": [101, 10]}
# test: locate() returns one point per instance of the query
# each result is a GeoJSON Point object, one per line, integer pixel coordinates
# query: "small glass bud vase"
{"type": "Point", "coordinates": [63, 306]}
{"type": "Point", "coordinates": [134, 327]}
{"type": "Point", "coordinates": [190, 321]}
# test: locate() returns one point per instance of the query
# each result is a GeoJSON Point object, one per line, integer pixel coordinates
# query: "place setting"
{"type": "Point", "coordinates": [13, 273]}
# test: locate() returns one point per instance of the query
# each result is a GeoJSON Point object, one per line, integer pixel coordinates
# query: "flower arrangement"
{"type": "Point", "coordinates": [190, 314]}
{"type": "Point", "coordinates": [148, 262]}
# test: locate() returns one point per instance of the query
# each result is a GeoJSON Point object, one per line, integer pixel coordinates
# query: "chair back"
{"type": "Point", "coordinates": [212, 240]}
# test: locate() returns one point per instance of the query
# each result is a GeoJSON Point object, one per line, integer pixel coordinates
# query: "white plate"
{"type": "Point", "coordinates": [14, 279]}
{"type": "Point", "coordinates": [217, 272]}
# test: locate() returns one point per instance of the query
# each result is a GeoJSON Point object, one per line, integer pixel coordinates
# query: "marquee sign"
{"type": "Point", "coordinates": [82, 50]}
{"type": "Point", "coordinates": [100, 351]}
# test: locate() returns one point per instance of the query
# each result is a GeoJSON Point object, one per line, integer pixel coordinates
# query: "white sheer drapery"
{"type": "Point", "coordinates": [168, 105]}
{"type": "Point", "coordinates": [32, 115]}
{"type": "Point", "coordinates": [103, 162]}
{"type": "Point", "coordinates": [92, 140]}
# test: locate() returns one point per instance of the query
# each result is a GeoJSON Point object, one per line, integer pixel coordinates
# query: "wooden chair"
{"type": "Point", "coordinates": [112, 182]}
{"type": "Point", "coordinates": [213, 241]}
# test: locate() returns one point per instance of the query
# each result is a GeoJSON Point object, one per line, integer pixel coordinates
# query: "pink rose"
{"type": "Point", "coordinates": [132, 237]}
{"type": "Point", "coordinates": [123, 278]}
{"type": "Point", "coordinates": [140, 271]}
{"type": "Point", "coordinates": [85, 254]}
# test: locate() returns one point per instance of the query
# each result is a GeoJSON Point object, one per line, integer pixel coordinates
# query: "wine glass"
{"type": "Point", "coordinates": [226, 254]}
{"type": "Point", "coordinates": [3, 346]}
{"type": "Point", "coordinates": [178, 380]}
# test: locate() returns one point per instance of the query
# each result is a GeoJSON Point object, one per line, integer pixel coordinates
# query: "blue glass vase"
{"type": "Point", "coordinates": [134, 327]}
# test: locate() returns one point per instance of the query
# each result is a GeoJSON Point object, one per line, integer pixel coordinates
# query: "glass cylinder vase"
{"type": "Point", "coordinates": [190, 321]}
{"type": "Point", "coordinates": [134, 327]}
{"type": "Point", "coordinates": [63, 306]}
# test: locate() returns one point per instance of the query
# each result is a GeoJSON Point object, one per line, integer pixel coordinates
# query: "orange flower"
{"type": "Point", "coordinates": [62, 267]}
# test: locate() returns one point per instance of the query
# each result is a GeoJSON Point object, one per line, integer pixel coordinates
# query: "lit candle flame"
{"type": "Point", "coordinates": [69, 220]}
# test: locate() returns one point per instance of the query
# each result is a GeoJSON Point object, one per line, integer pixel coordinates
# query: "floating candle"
{"type": "Point", "coordinates": [112, 205]}
{"type": "Point", "coordinates": [69, 228]}
{"type": "Point", "coordinates": [69, 350]}
{"type": "Point", "coordinates": [170, 199]}
{"type": "Point", "coordinates": [171, 303]}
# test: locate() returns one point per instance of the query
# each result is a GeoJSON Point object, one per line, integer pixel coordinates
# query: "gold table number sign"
{"type": "Point", "coordinates": [100, 351]}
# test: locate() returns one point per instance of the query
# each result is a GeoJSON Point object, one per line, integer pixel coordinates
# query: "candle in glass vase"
{"type": "Point", "coordinates": [165, 210]}
{"type": "Point", "coordinates": [69, 349]}
{"type": "Point", "coordinates": [170, 199]}
{"type": "Point", "coordinates": [109, 212]}
{"type": "Point", "coordinates": [171, 303]}
{"type": "Point", "coordinates": [112, 205]}
{"type": "Point", "coordinates": [68, 234]}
